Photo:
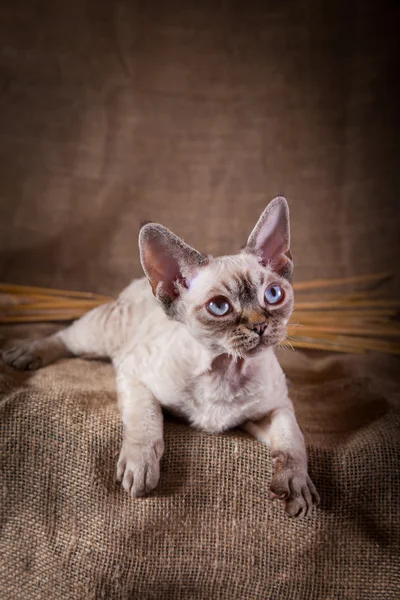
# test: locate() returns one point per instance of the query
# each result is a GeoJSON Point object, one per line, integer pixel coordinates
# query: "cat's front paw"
{"type": "Point", "coordinates": [138, 467]}
{"type": "Point", "coordinates": [292, 484]}
{"type": "Point", "coordinates": [23, 357]}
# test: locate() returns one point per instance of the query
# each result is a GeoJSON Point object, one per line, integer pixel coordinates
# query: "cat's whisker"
{"type": "Point", "coordinates": [283, 344]}
{"type": "Point", "coordinates": [294, 325]}
{"type": "Point", "coordinates": [238, 355]}
{"type": "Point", "coordinates": [286, 344]}
{"type": "Point", "coordinates": [290, 345]}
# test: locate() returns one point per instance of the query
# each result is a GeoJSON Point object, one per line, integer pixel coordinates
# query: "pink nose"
{"type": "Point", "coordinates": [259, 328]}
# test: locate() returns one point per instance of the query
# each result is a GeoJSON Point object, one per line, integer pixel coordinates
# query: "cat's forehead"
{"type": "Point", "coordinates": [233, 275]}
{"type": "Point", "coordinates": [239, 265]}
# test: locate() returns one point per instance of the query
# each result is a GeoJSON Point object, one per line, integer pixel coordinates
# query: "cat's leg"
{"type": "Point", "coordinates": [290, 480]}
{"type": "Point", "coordinates": [143, 446]}
{"type": "Point", "coordinates": [92, 334]}
{"type": "Point", "coordinates": [28, 355]}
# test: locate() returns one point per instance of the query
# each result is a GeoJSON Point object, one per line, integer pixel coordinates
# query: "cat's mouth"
{"type": "Point", "coordinates": [252, 345]}
{"type": "Point", "coordinates": [249, 347]}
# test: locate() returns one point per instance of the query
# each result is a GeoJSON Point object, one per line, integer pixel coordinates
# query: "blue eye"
{"type": "Point", "coordinates": [273, 294]}
{"type": "Point", "coordinates": [219, 306]}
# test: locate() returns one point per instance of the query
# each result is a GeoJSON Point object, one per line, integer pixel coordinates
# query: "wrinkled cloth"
{"type": "Point", "coordinates": [195, 115]}
{"type": "Point", "coordinates": [68, 529]}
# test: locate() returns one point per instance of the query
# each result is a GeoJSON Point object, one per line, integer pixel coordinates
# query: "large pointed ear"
{"type": "Point", "coordinates": [270, 238]}
{"type": "Point", "coordinates": [167, 261]}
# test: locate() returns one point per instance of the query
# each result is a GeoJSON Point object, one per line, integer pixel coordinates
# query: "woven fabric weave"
{"type": "Point", "coordinates": [68, 530]}
{"type": "Point", "coordinates": [196, 114]}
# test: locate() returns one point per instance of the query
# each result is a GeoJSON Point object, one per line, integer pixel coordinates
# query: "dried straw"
{"type": "Point", "coordinates": [354, 321]}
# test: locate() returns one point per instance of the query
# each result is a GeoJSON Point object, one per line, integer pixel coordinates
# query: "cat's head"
{"type": "Point", "coordinates": [237, 304]}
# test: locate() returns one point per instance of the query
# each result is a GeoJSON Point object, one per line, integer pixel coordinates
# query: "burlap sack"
{"type": "Point", "coordinates": [195, 115]}
{"type": "Point", "coordinates": [68, 530]}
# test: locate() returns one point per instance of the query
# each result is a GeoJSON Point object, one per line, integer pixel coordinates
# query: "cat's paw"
{"type": "Point", "coordinates": [292, 484]}
{"type": "Point", "coordinates": [23, 357]}
{"type": "Point", "coordinates": [138, 467]}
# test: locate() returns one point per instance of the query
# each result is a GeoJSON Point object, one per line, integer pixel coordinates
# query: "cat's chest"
{"type": "Point", "coordinates": [214, 394]}
{"type": "Point", "coordinates": [214, 404]}
{"type": "Point", "coordinates": [227, 395]}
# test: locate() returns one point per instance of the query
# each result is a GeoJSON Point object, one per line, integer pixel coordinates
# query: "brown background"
{"type": "Point", "coordinates": [195, 115]}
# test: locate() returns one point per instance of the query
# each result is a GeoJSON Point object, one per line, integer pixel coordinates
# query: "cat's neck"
{"type": "Point", "coordinates": [235, 368]}
{"type": "Point", "coordinates": [227, 362]}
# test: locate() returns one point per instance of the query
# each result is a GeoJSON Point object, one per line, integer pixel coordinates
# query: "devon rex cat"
{"type": "Point", "coordinates": [199, 341]}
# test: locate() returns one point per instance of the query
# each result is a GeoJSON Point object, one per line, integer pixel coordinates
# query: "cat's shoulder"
{"type": "Point", "coordinates": [136, 291]}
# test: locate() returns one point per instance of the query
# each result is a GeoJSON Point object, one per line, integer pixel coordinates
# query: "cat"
{"type": "Point", "coordinates": [198, 341]}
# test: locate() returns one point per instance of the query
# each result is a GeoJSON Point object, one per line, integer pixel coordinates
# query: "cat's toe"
{"type": "Point", "coordinates": [292, 484]}
{"type": "Point", "coordinates": [138, 469]}
{"type": "Point", "coordinates": [22, 358]}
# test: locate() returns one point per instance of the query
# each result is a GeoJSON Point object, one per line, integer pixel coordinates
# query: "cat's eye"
{"type": "Point", "coordinates": [219, 306]}
{"type": "Point", "coordinates": [273, 294]}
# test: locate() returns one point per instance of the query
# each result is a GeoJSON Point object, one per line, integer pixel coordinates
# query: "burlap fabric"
{"type": "Point", "coordinates": [195, 114]}
{"type": "Point", "coordinates": [209, 531]}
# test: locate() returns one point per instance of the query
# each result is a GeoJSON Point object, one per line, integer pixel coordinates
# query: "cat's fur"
{"type": "Point", "coordinates": [169, 351]}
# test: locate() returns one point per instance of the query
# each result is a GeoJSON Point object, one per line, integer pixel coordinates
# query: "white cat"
{"type": "Point", "coordinates": [199, 341]}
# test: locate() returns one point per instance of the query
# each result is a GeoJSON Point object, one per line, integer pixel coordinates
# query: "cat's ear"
{"type": "Point", "coordinates": [166, 260]}
{"type": "Point", "coordinates": [270, 238]}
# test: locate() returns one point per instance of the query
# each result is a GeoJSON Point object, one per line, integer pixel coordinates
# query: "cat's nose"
{"type": "Point", "coordinates": [259, 327]}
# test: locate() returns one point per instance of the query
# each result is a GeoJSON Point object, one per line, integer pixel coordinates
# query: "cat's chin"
{"type": "Point", "coordinates": [247, 352]}
{"type": "Point", "coordinates": [262, 346]}
{"type": "Point", "coordinates": [259, 348]}
{"type": "Point", "coordinates": [241, 352]}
